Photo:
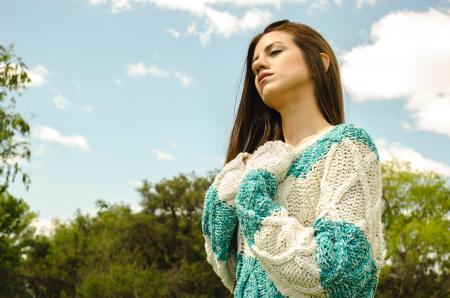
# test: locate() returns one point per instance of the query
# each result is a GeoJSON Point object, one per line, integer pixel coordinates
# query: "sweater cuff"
{"type": "Point", "coordinates": [229, 178]}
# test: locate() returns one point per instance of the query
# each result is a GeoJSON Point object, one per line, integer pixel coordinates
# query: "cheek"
{"type": "Point", "coordinates": [295, 69]}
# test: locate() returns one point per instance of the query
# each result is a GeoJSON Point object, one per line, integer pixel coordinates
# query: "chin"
{"type": "Point", "coordinates": [270, 97]}
{"type": "Point", "coordinates": [271, 101]}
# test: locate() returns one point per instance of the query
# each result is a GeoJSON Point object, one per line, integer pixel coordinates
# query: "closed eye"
{"type": "Point", "coordinates": [276, 51]}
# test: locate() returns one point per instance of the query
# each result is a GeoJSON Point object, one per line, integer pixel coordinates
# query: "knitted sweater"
{"type": "Point", "coordinates": [299, 222]}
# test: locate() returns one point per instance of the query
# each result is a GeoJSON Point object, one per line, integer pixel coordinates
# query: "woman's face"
{"type": "Point", "coordinates": [277, 54]}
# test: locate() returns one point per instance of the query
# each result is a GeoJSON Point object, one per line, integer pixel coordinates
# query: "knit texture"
{"type": "Point", "coordinates": [299, 222]}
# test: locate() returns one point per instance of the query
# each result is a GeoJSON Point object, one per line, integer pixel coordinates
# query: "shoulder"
{"type": "Point", "coordinates": [355, 136]}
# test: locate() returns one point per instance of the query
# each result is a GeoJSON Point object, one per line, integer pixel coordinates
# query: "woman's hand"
{"type": "Point", "coordinates": [246, 157]}
{"type": "Point", "coordinates": [229, 178]}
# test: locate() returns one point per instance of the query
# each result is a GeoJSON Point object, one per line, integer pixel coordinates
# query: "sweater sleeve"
{"type": "Point", "coordinates": [219, 221]}
{"type": "Point", "coordinates": [338, 254]}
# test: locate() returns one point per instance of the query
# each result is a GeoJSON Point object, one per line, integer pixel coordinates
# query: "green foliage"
{"type": "Point", "coordinates": [159, 251]}
{"type": "Point", "coordinates": [15, 217]}
{"type": "Point", "coordinates": [15, 235]}
{"type": "Point", "coordinates": [122, 280]}
{"type": "Point", "coordinates": [417, 225]}
{"type": "Point", "coordinates": [13, 78]}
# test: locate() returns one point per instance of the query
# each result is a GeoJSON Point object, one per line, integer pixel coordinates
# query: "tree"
{"type": "Point", "coordinates": [416, 221]}
{"type": "Point", "coordinates": [168, 232]}
{"type": "Point", "coordinates": [13, 78]}
{"type": "Point", "coordinates": [157, 252]}
{"type": "Point", "coordinates": [15, 236]}
{"type": "Point", "coordinates": [15, 217]}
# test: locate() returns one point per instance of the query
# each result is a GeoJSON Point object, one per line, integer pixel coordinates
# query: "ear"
{"type": "Point", "coordinates": [325, 60]}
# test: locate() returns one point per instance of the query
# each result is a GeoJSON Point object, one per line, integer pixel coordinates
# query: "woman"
{"type": "Point", "coordinates": [296, 210]}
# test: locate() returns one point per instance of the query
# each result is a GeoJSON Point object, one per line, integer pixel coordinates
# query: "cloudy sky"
{"type": "Point", "coordinates": [126, 90]}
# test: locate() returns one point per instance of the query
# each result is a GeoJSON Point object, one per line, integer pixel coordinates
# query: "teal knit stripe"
{"type": "Point", "coordinates": [255, 201]}
{"type": "Point", "coordinates": [343, 256]}
{"type": "Point", "coordinates": [303, 164]}
{"type": "Point", "coordinates": [343, 252]}
{"type": "Point", "coordinates": [209, 199]}
{"type": "Point", "coordinates": [252, 279]}
{"type": "Point", "coordinates": [219, 223]}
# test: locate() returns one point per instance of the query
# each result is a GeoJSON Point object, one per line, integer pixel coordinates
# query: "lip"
{"type": "Point", "coordinates": [261, 77]}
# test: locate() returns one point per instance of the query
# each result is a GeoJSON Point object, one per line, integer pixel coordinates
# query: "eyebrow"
{"type": "Point", "coordinates": [266, 49]}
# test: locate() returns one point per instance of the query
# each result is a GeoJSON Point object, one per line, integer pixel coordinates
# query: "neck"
{"type": "Point", "coordinates": [301, 118]}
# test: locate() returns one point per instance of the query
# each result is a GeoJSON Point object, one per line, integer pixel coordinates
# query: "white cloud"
{"type": "Point", "coordinates": [431, 111]}
{"type": "Point", "coordinates": [360, 3]}
{"type": "Point", "coordinates": [215, 21]}
{"type": "Point", "coordinates": [409, 58]}
{"type": "Point", "coordinates": [405, 125]}
{"type": "Point", "coordinates": [116, 5]}
{"type": "Point", "coordinates": [395, 150]}
{"type": "Point", "coordinates": [61, 102]}
{"type": "Point", "coordinates": [139, 69]}
{"type": "Point", "coordinates": [317, 5]}
{"type": "Point", "coordinates": [37, 76]}
{"type": "Point", "coordinates": [173, 32]}
{"type": "Point", "coordinates": [219, 21]}
{"type": "Point", "coordinates": [47, 133]}
{"type": "Point", "coordinates": [161, 155]}
{"type": "Point", "coordinates": [225, 24]}
{"type": "Point", "coordinates": [121, 5]}
{"type": "Point", "coordinates": [191, 28]}
{"type": "Point", "coordinates": [184, 79]}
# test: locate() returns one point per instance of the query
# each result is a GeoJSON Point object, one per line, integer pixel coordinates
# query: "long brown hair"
{"type": "Point", "coordinates": [255, 123]}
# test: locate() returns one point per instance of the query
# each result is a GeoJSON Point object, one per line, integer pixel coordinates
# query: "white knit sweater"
{"type": "Point", "coordinates": [307, 219]}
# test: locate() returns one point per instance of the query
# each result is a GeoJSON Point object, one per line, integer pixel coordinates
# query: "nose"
{"type": "Point", "coordinates": [259, 64]}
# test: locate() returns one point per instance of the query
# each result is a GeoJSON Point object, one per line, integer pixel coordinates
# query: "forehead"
{"type": "Point", "coordinates": [271, 37]}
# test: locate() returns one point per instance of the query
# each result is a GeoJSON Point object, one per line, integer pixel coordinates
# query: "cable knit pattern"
{"type": "Point", "coordinates": [219, 220]}
{"type": "Point", "coordinates": [309, 219]}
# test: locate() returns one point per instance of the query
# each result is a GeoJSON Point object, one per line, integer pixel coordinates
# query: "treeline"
{"type": "Point", "coordinates": [159, 250]}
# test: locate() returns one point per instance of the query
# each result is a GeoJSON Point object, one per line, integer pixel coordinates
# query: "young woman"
{"type": "Point", "coordinates": [296, 209]}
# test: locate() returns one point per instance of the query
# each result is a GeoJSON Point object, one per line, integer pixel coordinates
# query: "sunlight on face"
{"type": "Point", "coordinates": [278, 55]}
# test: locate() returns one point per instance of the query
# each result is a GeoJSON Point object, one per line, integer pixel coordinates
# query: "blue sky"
{"type": "Point", "coordinates": [126, 90]}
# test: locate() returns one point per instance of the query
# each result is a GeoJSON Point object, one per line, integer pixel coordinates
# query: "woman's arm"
{"type": "Point", "coordinates": [219, 220]}
{"type": "Point", "coordinates": [334, 256]}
